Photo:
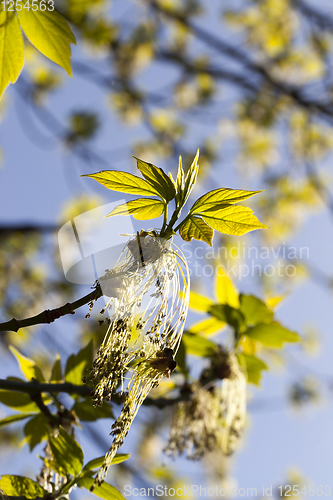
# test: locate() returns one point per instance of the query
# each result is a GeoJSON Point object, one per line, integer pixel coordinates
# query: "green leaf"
{"type": "Point", "coordinates": [27, 366]}
{"type": "Point", "coordinates": [181, 359]}
{"type": "Point", "coordinates": [196, 228]}
{"type": "Point", "coordinates": [123, 182]}
{"type": "Point", "coordinates": [222, 196]}
{"type": "Point", "coordinates": [254, 367]}
{"type": "Point", "coordinates": [56, 374]}
{"type": "Point", "coordinates": [197, 345]}
{"type": "Point", "coordinates": [14, 418]}
{"type": "Point", "coordinates": [199, 302]}
{"type": "Point", "coordinates": [18, 400]}
{"type": "Point", "coordinates": [87, 413]}
{"type": "Point", "coordinates": [96, 463]}
{"type": "Point", "coordinates": [207, 326]}
{"type": "Point", "coordinates": [67, 453]}
{"type": "Point", "coordinates": [50, 33]}
{"type": "Point", "coordinates": [141, 209]}
{"type": "Point", "coordinates": [105, 490]}
{"type": "Point", "coordinates": [36, 430]}
{"type": "Point", "coordinates": [228, 314]}
{"type": "Point", "coordinates": [21, 486]}
{"type": "Point", "coordinates": [235, 220]}
{"type": "Point", "coordinates": [11, 49]}
{"type": "Point", "coordinates": [191, 178]}
{"type": "Point", "coordinates": [272, 334]}
{"type": "Point", "coordinates": [158, 179]}
{"type": "Point", "coordinates": [255, 310]}
{"type": "Point", "coordinates": [78, 365]}
{"type": "Point", "coordinates": [180, 184]}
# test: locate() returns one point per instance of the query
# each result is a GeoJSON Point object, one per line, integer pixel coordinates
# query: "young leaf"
{"type": "Point", "coordinates": [254, 367]}
{"type": "Point", "coordinates": [18, 401]}
{"type": "Point", "coordinates": [123, 182]}
{"type": "Point", "coordinates": [199, 302]}
{"type": "Point", "coordinates": [56, 374]}
{"type": "Point", "coordinates": [196, 228]}
{"type": "Point", "coordinates": [255, 310]}
{"type": "Point", "coordinates": [79, 364]}
{"type": "Point", "coordinates": [272, 334]}
{"type": "Point", "coordinates": [228, 314]}
{"type": "Point", "coordinates": [222, 196]}
{"type": "Point", "coordinates": [235, 220]}
{"type": "Point", "coordinates": [28, 367]}
{"type": "Point", "coordinates": [191, 178]}
{"type": "Point", "coordinates": [105, 490]}
{"type": "Point", "coordinates": [50, 33]}
{"type": "Point", "coordinates": [36, 430]}
{"type": "Point", "coordinates": [141, 208]}
{"type": "Point", "coordinates": [96, 463]}
{"type": "Point", "coordinates": [87, 413]}
{"type": "Point", "coordinates": [67, 453]}
{"type": "Point", "coordinates": [21, 486]}
{"type": "Point", "coordinates": [207, 327]}
{"type": "Point", "coordinates": [179, 184]}
{"type": "Point", "coordinates": [198, 346]}
{"type": "Point", "coordinates": [11, 49]}
{"type": "Point", "coordinates": [226, 292]}
{"type": "Point", "coordinates": [158, 179]}
{"type": "Point", "coordinates": [14, 418]}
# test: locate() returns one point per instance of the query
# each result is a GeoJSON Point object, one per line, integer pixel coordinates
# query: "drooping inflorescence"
{"type": "Point", "coordinates": [149, 292]}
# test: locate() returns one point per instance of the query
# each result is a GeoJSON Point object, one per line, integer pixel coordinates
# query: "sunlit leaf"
{"type": "Point", "coordinates": [226, 292]}
{"type": "Point", "coordinates": [272, 334]}
{"type": "Point", "coordinates": [78, 365]}
{"type": "Point", "coordinates": [123, 182]}
{"type": "Point", "coordinates": [197, 345]}
{"type": "Point", "coordinates": [158, 179]}
{"type": "Point", "coordinates": [14, 418]}
{"type": "Point", "coordinates": [233, 220]}
{"type": "Point", "coordinates": [191, 178]}
{"type": "Point", "coordinates": [274, 301]}
{"type": "Point", "coordinates": [207, 326]}
{"type": "Point", "coordinates": [199, 302]}
{"type": "Point", "coordinates": [27, 366]}
{"type": "Point", "coordinates": [67, 453]}
{"type": "Point", "coordinates": [228, 314]}
{"type": "Point", "coordinates": [255, 310]}
{"type": "Point", "coordinates": [141, 209]}
{"type": "Point", "coordinates": [21, 486]}
{"type": "Point", "coordinates": [36, 430]}
{"type": "Point", "coordinates": [222, 196]}
{"type": "Point", "coordinates": [87, 413]}
{"type": "Point", "coordinates": [96, 463]}
{"type": "Point", "coordinates": [180, 184]}
{"type": "Point", "coordinates": [50, 33]}
{"type": "Point", "coordinates": [105, 490]}
{"type": "Point", "coordinates": [11, 49]}
{"type": "Point", "coordinates": [18, 401]}
{"type": "Point", "coordinates": [196, 228]}
{"type": "Point", "coordinates": [56, 374]}
{"type": "Point", "coordinates": [254, 367]}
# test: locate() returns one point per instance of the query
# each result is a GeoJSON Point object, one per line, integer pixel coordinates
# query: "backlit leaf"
{"type": "Point", "coordinates": [199, 302]}
{"type": "Point", "coordinates": [50, 33]}
{"type": "Point", "coordinates": [11, 49]}
{"type": "Point", "coordinates": [227, 314]}
{"type": "Point", "coordinates": [87, 413]}
{"type": "Point", "coordinates": [105, 490]}
{"type": "Point", "coordinates": [157, 178]}
{"type": "Point", "coordinates": [18, 401]}
{"type": "Point", "coordinates": [141, 209]}
{"type": "Point", "coordinates": [180, 183]}
{"type": "Point", "coordinates": [96, 463]}
{"type": "Point", "coordinates": [197, 345]}
{"type": "Point", "coordinates": [78, 365]}
{"type": "Point", "coordinates": [272, 334]}
{"type": "Point", "coordinates": [14, 418]}
{"type": "Point", "coordinates": [254, 367]}
{"type": "Point", "coordinates": [56, 375]}
{"type": "Point", "coordinates": [191, 178]}
{"type": "Point", "coordinates": [21, 486]}
{"type": "Point", "coordinates": [196, 228]}
{"type": "Point", "coordinates": [36, 430]}
{"type": "Point", "coordinates": [207, 326]}
{"type": "Point", "coordinates": [233, 220]}
{"type": "Point", "coordinates": [226, 292]}
{"type": "Point", "coordinates": [255, 310]}
{"type": "Point", "coordinates": [66, 452]}
{"type": "Point", "coordinates": [222, 196]}
{"type": "Point", "coordinates": [27, 366]}
{"type": "Point", "coordinates": [123, 182]}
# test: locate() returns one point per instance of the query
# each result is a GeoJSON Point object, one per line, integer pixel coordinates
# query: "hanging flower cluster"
{"type": "Point", "coordinates": [213, 417]}
{"type": "Point", "coordinates": [149, 290]}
